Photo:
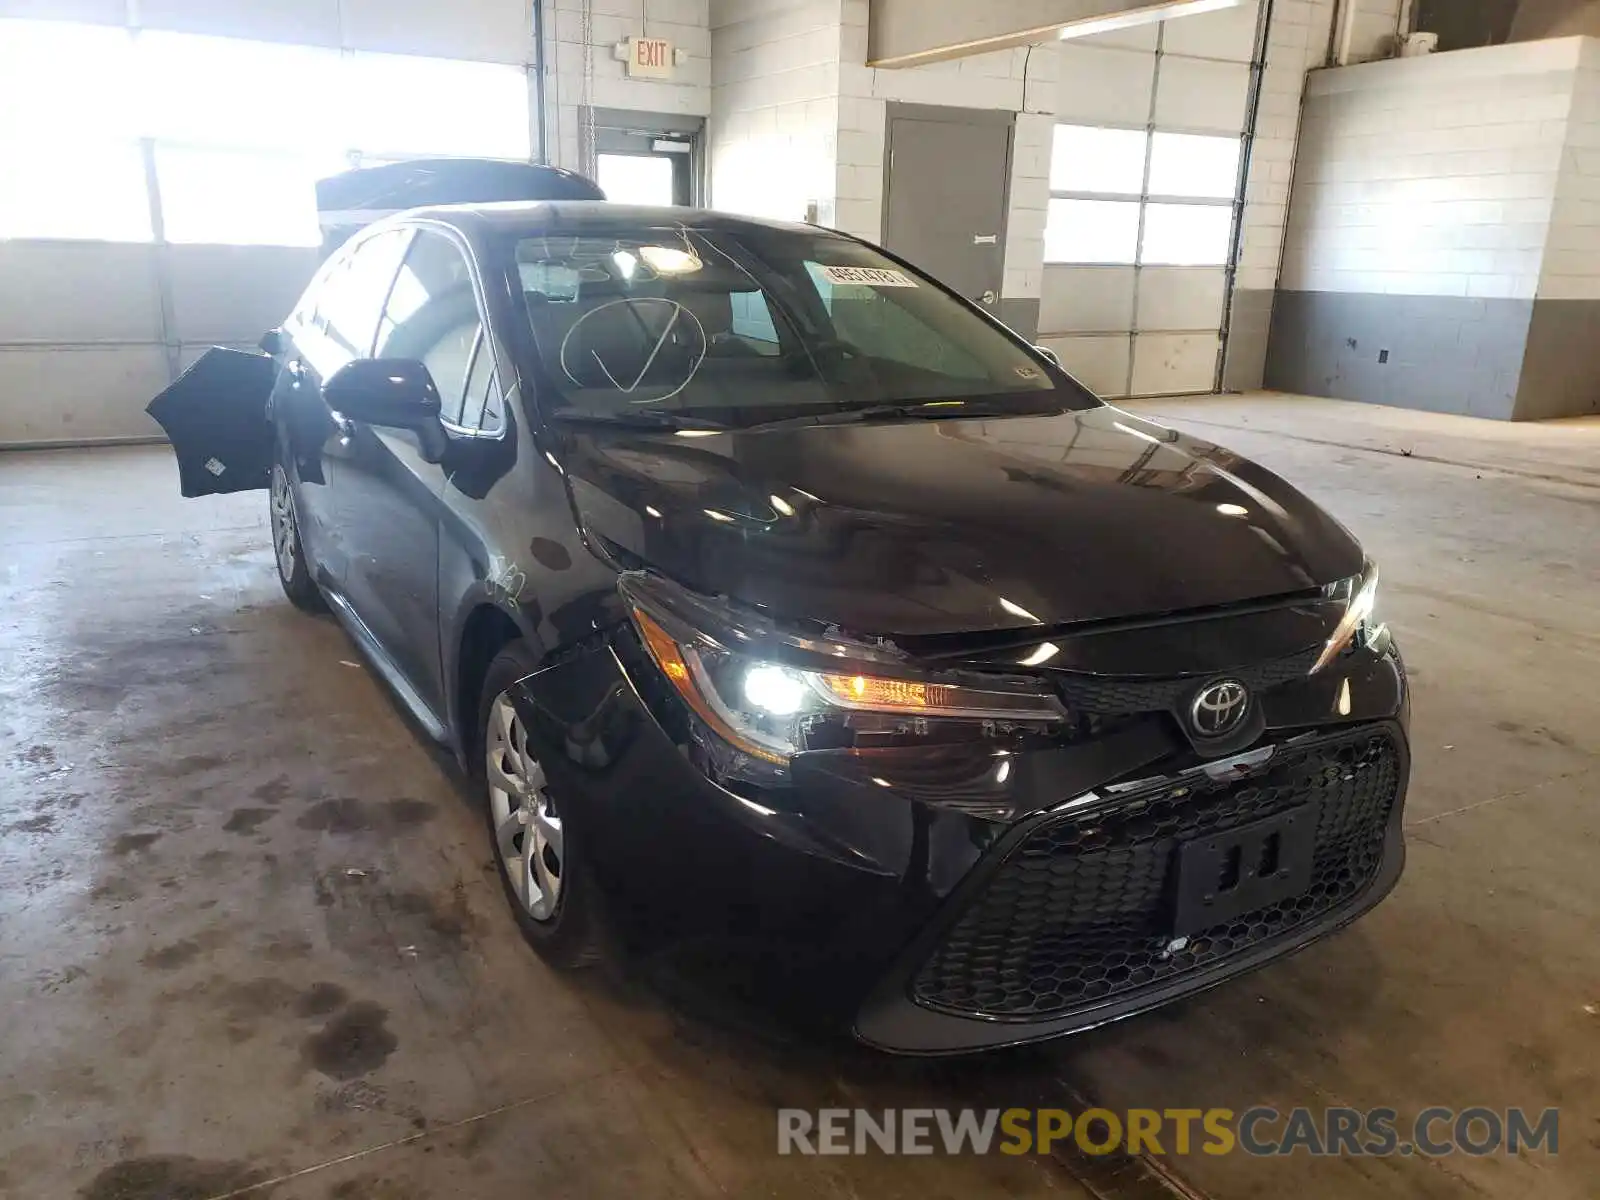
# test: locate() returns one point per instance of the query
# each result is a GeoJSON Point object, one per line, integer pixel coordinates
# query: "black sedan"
{"type": "Point", "coordinates": [786, 606]}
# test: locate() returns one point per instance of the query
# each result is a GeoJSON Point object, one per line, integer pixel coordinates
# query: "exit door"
{"type": "Point", "coordinates": [645, 158]}
{"type": "Point", "coordinates": [945, 208]}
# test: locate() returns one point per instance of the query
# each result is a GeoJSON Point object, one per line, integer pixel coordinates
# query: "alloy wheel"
{"type": "Point", "coordinates": [284, 540]}
{"type": "Point", "coordinates": [527, 828]}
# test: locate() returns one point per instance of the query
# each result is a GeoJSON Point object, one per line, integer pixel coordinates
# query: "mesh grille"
{"type": "Point", "coordinates": [1081, 911]}
{"type": "Point", "coordinates": [1111, 694]}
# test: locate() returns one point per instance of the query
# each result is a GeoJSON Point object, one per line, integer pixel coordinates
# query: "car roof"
{"type": "Point", "coordinates": [600, 216]}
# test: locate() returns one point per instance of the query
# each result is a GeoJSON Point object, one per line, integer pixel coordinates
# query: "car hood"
{"type": "Point", "coordinates": [929, 527]}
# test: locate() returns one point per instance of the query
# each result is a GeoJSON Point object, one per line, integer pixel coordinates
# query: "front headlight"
{"type": "Point", "coordinates": [770, 693]}
{"type": "Point", "coordinates": [1360, 596]}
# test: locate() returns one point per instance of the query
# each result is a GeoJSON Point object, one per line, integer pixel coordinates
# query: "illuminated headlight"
{"type": "Point", "coordinates": [1360, 596]}
{"type": "Point", "coordinates": [771, 709]}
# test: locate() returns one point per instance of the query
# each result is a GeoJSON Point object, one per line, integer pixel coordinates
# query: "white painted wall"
{"type": "Point", "coordinates": [1296, 43]}
{"type": "Point", "coordinates": [798, 118]}
{"type": "Point", "coordinates": [1438, 176]}
{"type": "Point", "coordinates": [775, 131]}
{"type": "Point", "coordinates": [1020, 80]}
{"type": "Point", "coordinates": [1571, 267]}
{"type": "Point", "coordinates": [585, 72]}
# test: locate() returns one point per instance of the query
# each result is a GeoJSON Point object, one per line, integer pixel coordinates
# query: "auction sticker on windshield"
{"type": "Point", "coordinates": [868, 276]}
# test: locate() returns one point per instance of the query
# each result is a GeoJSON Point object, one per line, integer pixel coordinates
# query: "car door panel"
{"type": "Point", "coordinates": [389, 494]}
{"type": "Point", "coordinates": [334, 324]}
{"type": "Point", "coordinates": [216, 417]}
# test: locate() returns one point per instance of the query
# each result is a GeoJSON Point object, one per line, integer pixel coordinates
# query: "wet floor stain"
{"type": "Point", "coordinates": [169, 1177]}
{"type": "Point", "coordinates": [128, 843]}
{"type": "Point", "coordinates": [273, 791]}
{"type": "Point", "coordinates": [286, 949]}
{"type": "Point", "coordinates": [115, 891]}
{"type": "Point", "coordinates": [350, 814]}
{"type": "Point", "coordinates": [247, 820]}
{"type": "Point", "coordinates": [446, 920]}
{"type": "Point", "coordinates": [51, 982]}
{"type": "Point", "coordinates": [372, 1187]}
{"type": "Point", "coordinates": [170, 958]}
{"type": "Point", "coordinates": [189, 764]}
{"type": "Point", "coordinates": [43, 823]}
{"type": "Point", "coordinates": [320, 999]}
{"type": "Point", "coordinates": [353, 1043]}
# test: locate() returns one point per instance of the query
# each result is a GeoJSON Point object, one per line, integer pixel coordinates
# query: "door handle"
{"type": "Point", "coordinates": [989, 296]}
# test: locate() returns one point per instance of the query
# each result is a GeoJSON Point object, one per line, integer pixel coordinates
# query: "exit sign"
{"type": "Point", "coordinates": [649, 58]}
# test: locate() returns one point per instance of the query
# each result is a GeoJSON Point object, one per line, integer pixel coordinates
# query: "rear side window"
{"type": "Point", "coordinates": [432, 316]}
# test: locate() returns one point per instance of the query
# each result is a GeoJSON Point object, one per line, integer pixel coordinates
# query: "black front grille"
{"type": "Point", "coordinates": [1080, 912]}
{"type": "Point", "coordinates": [1115, 694]}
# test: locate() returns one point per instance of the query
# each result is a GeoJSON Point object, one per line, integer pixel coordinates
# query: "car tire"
{"type": "Point", "coordinates": [552, 895]}
{"type": "Point", "coordinates": [294, 573]}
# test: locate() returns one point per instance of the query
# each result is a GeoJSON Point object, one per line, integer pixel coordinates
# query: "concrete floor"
{"type": "Point", "coordinates": [250, 932]}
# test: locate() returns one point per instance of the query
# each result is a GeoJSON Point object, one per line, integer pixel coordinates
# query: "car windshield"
{"type": "Point", "coordinates": [759, 325]}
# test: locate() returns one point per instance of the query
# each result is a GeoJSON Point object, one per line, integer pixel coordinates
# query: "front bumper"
{"type": "Point", "coordinates": [933, 908]}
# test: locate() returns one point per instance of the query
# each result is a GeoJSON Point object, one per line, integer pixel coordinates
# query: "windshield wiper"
{"type": "Point", "coordinates": [639, 419]}
{"type": "Point", "coordinates": [907, 410]}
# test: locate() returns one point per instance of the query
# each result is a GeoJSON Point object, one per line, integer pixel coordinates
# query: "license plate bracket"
{"type": "Point", "coordinates": [1225, 874]}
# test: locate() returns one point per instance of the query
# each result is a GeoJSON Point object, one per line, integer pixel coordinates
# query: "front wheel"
{"type": "Point", "coordinates": [550, 892]}
{"type": "Point", "coordinates": [294, 573]}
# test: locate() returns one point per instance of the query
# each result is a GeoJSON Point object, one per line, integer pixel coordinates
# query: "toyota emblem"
{"type": "Point", "coordinates": [1219, 708]}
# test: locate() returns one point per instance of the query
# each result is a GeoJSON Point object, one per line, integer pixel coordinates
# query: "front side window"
{"type": "Point", "coordinates": [432, 316]}
{"type": "Point", "coordinates": [348, 300]}
{"type": "Point", "coordinates": [759, 324]}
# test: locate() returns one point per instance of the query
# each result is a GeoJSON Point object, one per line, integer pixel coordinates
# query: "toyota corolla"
{"type": "Point", "coordinates": [785, 605]}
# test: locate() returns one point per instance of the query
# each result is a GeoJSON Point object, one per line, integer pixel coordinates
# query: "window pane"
{"type": "Point", "coordinates": [60, 79]}
{"type": "Point", "coordinates": [236, 92]}
{"type": "Point", "coordinates": [238, 197]}
{"type": "Point", "coordinates": [1091, 231]}
{"type": "Point", "coordinates": [752, 322]}
{"type": "Point", "coordinates": [483, 409]}
{"type": "Point", "coordinates": [1187, 235]}
{"type": "Point", "coordinates": [1187, 164]}
{"type": "Point", "coordinates": [1090, 159]}
{"type": "Point", "coordinates": [653, 323]}
{"type": "Point", "coordinates": [350, 302]}
{"type": "Point", "coordinates": [398, 104]}
{"type": "Point", "coordinates": [432, 315]}
{"type": "Point", "coordinates": [51, 189]}
{"type": "Point", "coordinates": [635, 178]}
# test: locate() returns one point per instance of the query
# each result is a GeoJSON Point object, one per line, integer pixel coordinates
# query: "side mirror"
{"type": "Point", "coordinates": [395, 393]}
{"type": "Point", "coordinates": [1048, 355]}
{"type": "Point", "coordinates": [272, 342]}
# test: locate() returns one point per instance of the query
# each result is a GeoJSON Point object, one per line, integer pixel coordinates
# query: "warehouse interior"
{"type": "Point", "coordinates": [251, 940]}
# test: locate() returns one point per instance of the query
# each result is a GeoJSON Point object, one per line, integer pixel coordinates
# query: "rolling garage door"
{"type": "Point", "coordinates": [139, 233]}
{"type": "Point", "coordinates": [1145, 195]}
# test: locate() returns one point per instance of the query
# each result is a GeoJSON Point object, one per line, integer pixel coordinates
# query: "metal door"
{"type": "Point", "coordinates": [945, 201]}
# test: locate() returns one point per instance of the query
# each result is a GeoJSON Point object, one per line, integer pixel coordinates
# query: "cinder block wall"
{"type": "Point", "coordinates": [1422, 208]}
{"type": "Point", "coordinates": [1561, 368]}
{"type": "Point", "coordinates": [798, 118]}
{"type": "Point", "coordinates": [775, 108]}
{"type": "Point", "coordinates": [585, 73]}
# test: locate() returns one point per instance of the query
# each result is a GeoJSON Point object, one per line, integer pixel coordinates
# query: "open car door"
{"type": "Point", "coordinates": [216, 418]}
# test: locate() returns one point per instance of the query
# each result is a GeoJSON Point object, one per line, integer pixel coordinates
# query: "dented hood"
{"type": "Point", "coordinates": [928, 527]}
